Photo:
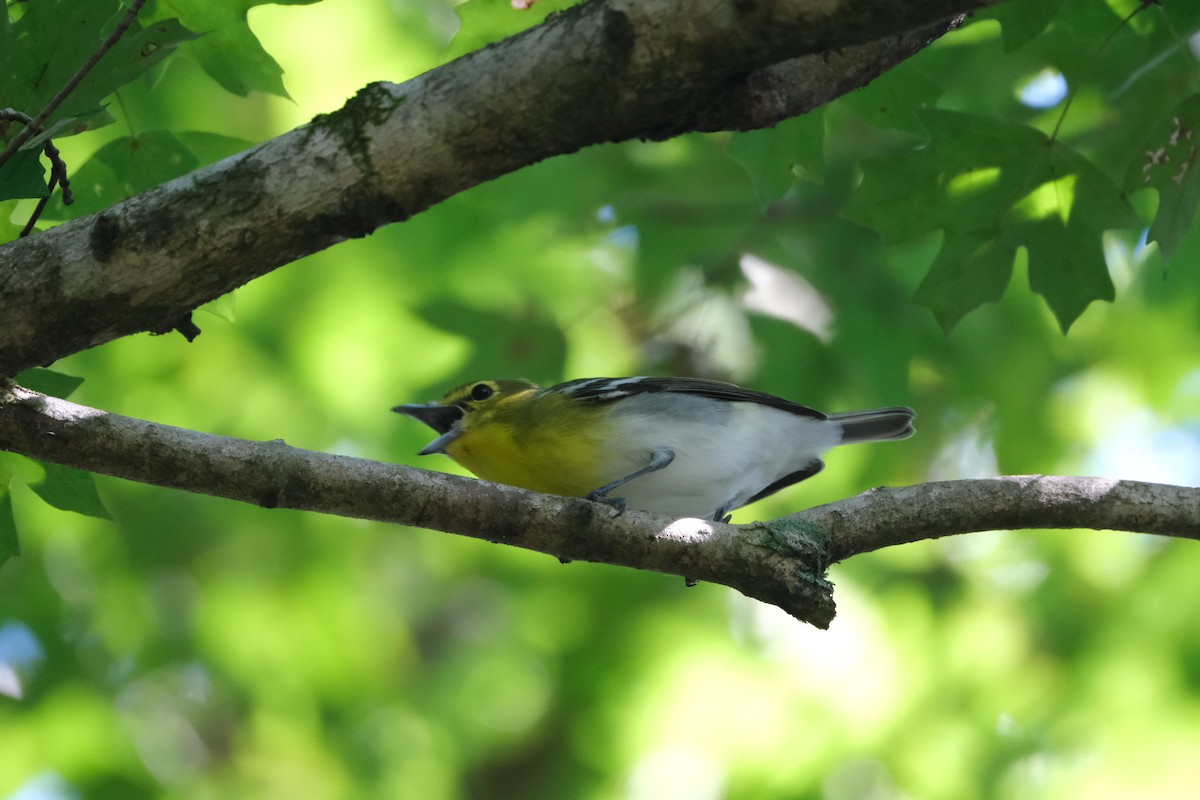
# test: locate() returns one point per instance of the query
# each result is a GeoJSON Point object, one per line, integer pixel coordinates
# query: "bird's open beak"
{"type": "Point", "coordinates": [441, 418]}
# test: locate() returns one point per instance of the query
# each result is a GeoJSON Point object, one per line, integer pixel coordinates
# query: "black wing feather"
{"type": "Point", "coordinates": [606, 390]}
{"type": "Point", "coordinates": [813, 467]}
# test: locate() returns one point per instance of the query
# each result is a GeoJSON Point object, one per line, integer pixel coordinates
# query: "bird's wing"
{"type": "Point", "coordinates": [605, 390]}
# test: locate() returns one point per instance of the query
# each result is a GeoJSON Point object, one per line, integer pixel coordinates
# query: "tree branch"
{"type": "Point", "coordinates": [607, 70]}
{"type": "Point", "coordinates": [781, 561]}
{"type": "Point", "coordinates": [891, 516]}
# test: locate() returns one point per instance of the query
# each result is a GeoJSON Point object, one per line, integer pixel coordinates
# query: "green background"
{"type": "Point", "coordinates": [192, 647]}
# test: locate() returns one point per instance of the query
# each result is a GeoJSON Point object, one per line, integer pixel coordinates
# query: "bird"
{"type": "Point", "coordinates": [684, 447]}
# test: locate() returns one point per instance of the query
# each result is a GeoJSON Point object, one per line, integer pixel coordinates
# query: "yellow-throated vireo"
{"type": "Point", "coordinates": [687, 447]}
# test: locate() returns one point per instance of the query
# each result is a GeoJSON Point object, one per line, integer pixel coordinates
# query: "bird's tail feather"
{"type": "Point", "coordinates": [877, 425]}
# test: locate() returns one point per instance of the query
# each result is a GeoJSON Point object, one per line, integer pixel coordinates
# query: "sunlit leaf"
{"type": "Point", "coordinates": [9, 230]}
{"type": "Point", "coordinates": [229, 50]}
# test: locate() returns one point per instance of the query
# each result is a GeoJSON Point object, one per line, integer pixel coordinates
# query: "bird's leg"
{"type": "Point", "coordinates": [659, 458]}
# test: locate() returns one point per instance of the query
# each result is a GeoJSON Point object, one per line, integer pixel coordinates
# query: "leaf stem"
{"type": "Point", "coordinates": [1062, 117]}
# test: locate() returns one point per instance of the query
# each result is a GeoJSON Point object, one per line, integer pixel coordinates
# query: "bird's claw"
{"type": "Point", "coordinates": [616, 503]}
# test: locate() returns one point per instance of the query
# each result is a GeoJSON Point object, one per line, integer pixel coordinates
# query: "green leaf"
{"type": "Point", "coordinates": [49, 382]}
{"type": "Point", "coordinates": [993, 186]}
{"type": "Point", "coordinates": [224, 307]}
{"type": "Point", "coordinates": [773, 157]}
{"type": "Point", "coordinates": [22, 468]}
{"type": "Point", "coordinates": [971, 268]}
{"type": "Point", "coordinates": [67, 126]}
{"type": "Point", "coordinates": [1022, 21]}
{"type": "Point", "coordinates": [147, 160]}
{"type": "Point", "coordinates": [230, 52]}
{"type": "Point", "coordinates": [131, 57]}
{"type": "Point", "coordinates": [893, 99]}
{"type": "Point", "coordinates": [1065, 244]}
{"type": "Point", "coordinates": [133, 164]}
{"type": "Point", "coordinates": [9, 230]}
{"type": "Point", "coordinates": [124, 167]}
{"type": "Point", "coordinates": [9, 545]}
{"type": "Point", "coordinates": [48, 43]}
{"type": "Point", "coordinates": [1168, 165]}
{"type": "Point", "coordinates": [209, 147]}
{"type": "Point", "coordinates": [70, 489]}
{"type": "Point", "coordinates": [23, 176]}
{"type": "Point", "coordinates": [972, 171]}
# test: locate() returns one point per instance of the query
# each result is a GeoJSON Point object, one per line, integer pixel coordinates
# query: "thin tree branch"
{"type": "Point", "coordinates": [275, 475]}
{"type": "Point", "coordinates": [891, 516]}
{"type": "Point", "coordinates": [780, 562]}
{"type": "Point", "coordinates": [607, 70]}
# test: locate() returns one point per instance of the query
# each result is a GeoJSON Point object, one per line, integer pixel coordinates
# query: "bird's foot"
{"type": "Point", "coordinates": [616, 503]}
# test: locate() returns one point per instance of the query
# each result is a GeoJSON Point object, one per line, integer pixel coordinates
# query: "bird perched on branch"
{"type": "Point", "coordinates": [686, 447]}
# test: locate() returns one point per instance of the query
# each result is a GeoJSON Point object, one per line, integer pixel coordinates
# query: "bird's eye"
{"type": "Point", "coordinates": [481, 392]}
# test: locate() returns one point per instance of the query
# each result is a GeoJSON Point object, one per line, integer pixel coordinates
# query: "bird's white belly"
{"type": "Point", "coordinates": [725, 453]}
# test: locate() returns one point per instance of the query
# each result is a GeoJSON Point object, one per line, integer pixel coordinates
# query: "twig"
{"type": "Point", "coordinates": [1091, 62]}
{"type": "Point", "coordinates": [58, 170]}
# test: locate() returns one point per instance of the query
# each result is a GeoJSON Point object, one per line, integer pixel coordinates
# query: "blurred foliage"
{"type": "Point", "coordinates": [193, 647]}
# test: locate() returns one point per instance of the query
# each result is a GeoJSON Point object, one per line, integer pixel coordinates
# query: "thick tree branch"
{"type": "Point", "coordinates": [608, 70]}
{"type": "Point", "coordinates": [780, 562]}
